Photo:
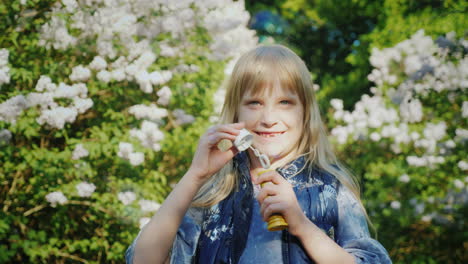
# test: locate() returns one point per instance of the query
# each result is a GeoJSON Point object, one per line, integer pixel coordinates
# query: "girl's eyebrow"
{"type": "Point", "coordinates": [250, 96]}
{"type": "Point", "coordinates": [289, 96]}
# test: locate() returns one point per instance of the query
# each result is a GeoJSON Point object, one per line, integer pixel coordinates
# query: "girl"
{"type": "Point", "coordinates": [216, 212]}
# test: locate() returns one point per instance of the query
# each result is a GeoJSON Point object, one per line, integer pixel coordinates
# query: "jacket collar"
{"type": "Point", "coordinates": [291, 169]}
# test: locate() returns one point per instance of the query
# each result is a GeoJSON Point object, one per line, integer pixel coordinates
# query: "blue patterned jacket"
{"type": "Point", "coordinates": [219, 234]}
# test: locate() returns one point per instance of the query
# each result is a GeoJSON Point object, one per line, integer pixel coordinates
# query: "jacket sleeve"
{"type": "Point", "coordinates": [186, 240]}
{"type": "Point", "coordinates": [352, 232]}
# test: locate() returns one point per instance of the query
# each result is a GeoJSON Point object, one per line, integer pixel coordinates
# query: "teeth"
{"type": "Point", "coordinates": [269, 135]}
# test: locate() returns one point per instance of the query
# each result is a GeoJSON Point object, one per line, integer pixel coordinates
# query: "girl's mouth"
{"type": "Point", "coordinates": [268, 134]}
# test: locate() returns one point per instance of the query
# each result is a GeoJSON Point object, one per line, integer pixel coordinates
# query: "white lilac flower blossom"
{"type": "Point", "coordinates": [151, 112]}
{"type": "Point", "coordinates": [44, 100]}
{"type": "Point", "coordinates": [426, 218]}
{"type": "Point", "coordinates": [80, 74]}
{"type": "Point", "coordinates": [419, 207]}
{"type": "Point", "coordinates": [66, 91]}
{"type": "Point", "coordinates": [168, 51]}
{"type": "Point", "coordinates": [369, 113]}
{"type": "Point", "coordinates": [45, 84]}
{"type": "Point", "coordinates": [435, 131]}
{"type": "Point", "coordinates": [423, 161]}
{"type": "Point", "coordinates": [4, 69]}
{"type": "Point", "coordinates": [145, 60]}
{"type": "Point", "coordinates": [12, 108]}
{"type": "Point", "coordinates": [148, 205]}
{"type": "Point", "coordinates": [458, 184]}
{"type": "Point", "coordinates": [85, 189]}
{"type": "Point", "coordinates": [184, 68]}
{"type": "Point", "coordinates": [136, 158]}
{"type": "Point", "coordinates": [126, 152]}
{"type": "Point", "coordinates": [182, 118]}
{"type": "Point", "coordinates": [98, 64]}
{"type": "Point", "coordinates": [104, 76]}
{"type": "Point", "coordinates": [461, 133]}
{"type": "Point", "coordinates": [126, 197]}
{"type": "Point", "coordinates": [404, 178]}
{"type": "Point", "coordinates": [143, 79]}
{"type": "Point", "coordinates": [164, 96]}
{"type": "Point", "coordinates": [143, 221]}
{"type": "Point", "coordinates": [159, 78]}
{"type": "Point", "coordinates": [463, 165]}
{"type": "Point", "coordinates": [341, 133]}
{"type": "Point", "coordinates": [51, 113]}
{"type": "Point", "coordinates": [337, 104]}
{"type": "Point", "coordinates": [82, 105]}
{"type": "Point", "coordinates": [57, 117]}
{"type": "Point", "coordinates": [55, 34]}
{"type": "Point", "coordinates": [465, 109]}
{"type": "Point", "coordinates": [70, 5]}
{"type": "Point", "coordinates": [228, 27]}
{"type": "Point", "coordinates": [374, 136]}
{"type": "Point", "coordinates": [218, 99]}
{"type": "Point", "coordinates": [125, 149]}
{"type": "Point", "coordinates": [189, 85]}
{"type": "Point", "coordinates": [450, 144]}
{"type": "Point", "coordinates": [5, 137]}
{"type": "Point", "coordinates": [149, 135]}
{"type": "Point", "coordinates": [395, 205]}
{"type": "Point", "coordinates": [411, 110]}
{"type": "Point", "coordinates": [55, 198]}
{"type": "Point", "coordinates": [118, 75]}
{"type": "Point", "coordinates": [316, 87]}
{"type": "Point", "coordinates": [79, 152]}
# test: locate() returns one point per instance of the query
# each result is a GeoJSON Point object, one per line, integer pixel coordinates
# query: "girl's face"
{"type": "Point", "coordinates": [275, 118]}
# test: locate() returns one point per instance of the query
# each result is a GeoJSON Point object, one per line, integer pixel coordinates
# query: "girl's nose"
{"type": "Point", "coordinates": [268, 118]}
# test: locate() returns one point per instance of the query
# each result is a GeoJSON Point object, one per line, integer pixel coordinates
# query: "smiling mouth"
{"type": "Point", "coordinates": [269, 134]}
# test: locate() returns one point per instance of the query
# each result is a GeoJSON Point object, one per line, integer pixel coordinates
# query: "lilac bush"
{"type": "Point", "coordinates": [408, 140]}
{"type": "Point", "coordinates": [101, 105]}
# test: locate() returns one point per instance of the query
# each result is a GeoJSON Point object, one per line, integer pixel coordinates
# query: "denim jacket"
{"type": "Point", "coordinates": [219, 234]}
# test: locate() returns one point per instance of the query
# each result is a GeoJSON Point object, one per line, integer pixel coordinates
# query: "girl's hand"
{"type": "Point", "coordinates": [278, 197]}
{"type": "Point", "coordinates": [208, 159]}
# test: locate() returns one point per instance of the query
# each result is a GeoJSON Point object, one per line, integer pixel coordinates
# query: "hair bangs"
{"type": "Point", "coordinates": [265, 73]}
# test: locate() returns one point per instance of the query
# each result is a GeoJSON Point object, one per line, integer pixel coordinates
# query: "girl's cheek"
{"type": "Point", "coordinates": [249, 117]}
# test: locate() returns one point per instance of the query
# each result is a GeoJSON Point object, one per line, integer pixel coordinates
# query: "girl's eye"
{"type": "Point", "coordinates": [285, 102]}
{"type": "Point", "coordinates": [253, 103]}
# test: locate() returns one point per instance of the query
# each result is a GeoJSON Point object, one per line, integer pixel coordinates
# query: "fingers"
{"type": "Point", "coordinates": [216, 137]}
{"type": "Point", "coordinates": [233, 129]}
{"type": "Point", "coordinates": [267, 190]}
{"type": "Point", "coordinates": [273, 208]}
{"type": "Point", "coordinates": [276, 196]}
{"type": "Point", "coordinates": [217, 133]}
{"type": "Point", "coordinates": [270, 176]}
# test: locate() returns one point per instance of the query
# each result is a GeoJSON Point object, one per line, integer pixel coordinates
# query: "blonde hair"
{"type": "Point", "coordinates": [252, 73]}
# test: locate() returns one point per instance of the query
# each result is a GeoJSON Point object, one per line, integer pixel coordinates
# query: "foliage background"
{"type": "Point", "coordinates": [335, 38]}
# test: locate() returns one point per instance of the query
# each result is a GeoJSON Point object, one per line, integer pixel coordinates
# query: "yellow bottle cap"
{"type": "Point", "coordinates": [224, 145]}
{"type": "Point", "coordinates": [276, 223]}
